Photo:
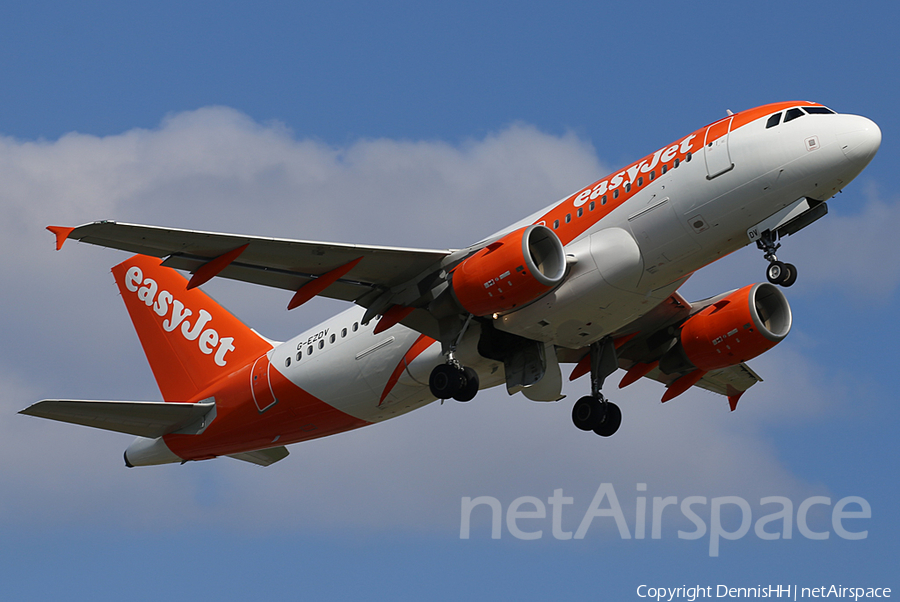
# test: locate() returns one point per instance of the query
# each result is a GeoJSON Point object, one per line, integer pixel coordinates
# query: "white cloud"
{"type": "Point", "coordinates": [850, 252]}
{"type": "Point", "coordinates": [214, 168]}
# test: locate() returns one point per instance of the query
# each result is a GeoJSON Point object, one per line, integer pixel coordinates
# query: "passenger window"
{"type": "Point", "coordinates": [321, 344]}
{"type": "Point", "coordinates": [773, 120]}
{"type": "Point", "coordinates": [616, 193]}
{"type": "Point", "coordinates": [665, 168]}
{"type": "Point", "coordinates": [309, 350]}
{"type": "Point", "coordinates": [555, 224]}
{"type": "Point", "coordinates": [355, 326]}
{"type": "Point", "coordinates": [580, 211]}
{"type": "Point", "coordinates": [792, 114]}
{"type": "Point", "coordinates": [677, 163]}
{"type": "Point", "coordinates": [653, 175]}
{"type": "Point", "coordinates": [287, 361]}
{"type": "Point", "coordinates": [591, 206]}
{"type": "Point", "coordinates": [603, 200]}
{"type": "Point", "coordinates": [568, 217]}
{"type": "Point", "coordinates": [331, 340]}
{"type": "Point", "coordinates": [628, 187]}
{"type": "Point", "coordinates": [689, 157]}
{"type": "Point", "coordinates": [641, 181]}
{"type": "Point", "coordinates": [299, 355]}
{"type": "Point", "coordinates": [343, 333]}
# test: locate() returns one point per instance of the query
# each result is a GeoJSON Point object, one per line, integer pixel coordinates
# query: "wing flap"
{"type": "Point", "coordinates": [275, 262]}
{"type": "Point", "coordinates": [726, 381]}
{"type": "Point", "coordinates": [262, 457]}
{"type": "Point", "coordinates": [149, 419]}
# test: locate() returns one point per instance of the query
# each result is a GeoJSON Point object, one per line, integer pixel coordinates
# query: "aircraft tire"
{"type": "Point", "coordinates": [470, 389]}
{"type": "Point", "coordinates": [611, 421]}
{"type": "Point", "coordinates": [587, 413]}
{"type": "Point", "coordinates": [791, 276]}
{"type": "Point", "coordinates": [445, 381]}
{"type": "Point", "coordinates": [776, 272]}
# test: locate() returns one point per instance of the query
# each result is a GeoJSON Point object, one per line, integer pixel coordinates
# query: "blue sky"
{"type": "Point", "coordinates": [416, 125]}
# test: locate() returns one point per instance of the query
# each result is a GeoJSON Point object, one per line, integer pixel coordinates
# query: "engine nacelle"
{"type": "Point", "coordinates": [739, 327]}
{"type": "Point", "coordinates": [522, 266]}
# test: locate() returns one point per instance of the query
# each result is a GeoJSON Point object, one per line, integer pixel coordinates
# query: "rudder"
{"type": "Point", "coordinates": [190, 340]}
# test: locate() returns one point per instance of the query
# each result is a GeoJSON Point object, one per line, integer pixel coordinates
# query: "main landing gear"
{"type": "Point", "coordinates": [594, 412]}
{"type": "Point", "coordinates": [778, 272]}
{"type": "Point", "coordinates": [452, 380]}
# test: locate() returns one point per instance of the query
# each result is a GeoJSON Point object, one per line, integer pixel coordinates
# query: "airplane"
{"type": "Point", "coordinates": [591, 280]}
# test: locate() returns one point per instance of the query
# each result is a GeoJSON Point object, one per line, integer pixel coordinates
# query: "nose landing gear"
{"type": "Point", "coordinates": [778, 272]}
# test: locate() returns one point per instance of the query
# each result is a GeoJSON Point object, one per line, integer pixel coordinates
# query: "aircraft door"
{"type": "Point", "coordinates": [715, 148]}
{"type": "Point", "coordinates": [260, 384]}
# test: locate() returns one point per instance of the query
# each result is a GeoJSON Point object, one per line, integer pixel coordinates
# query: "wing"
{"type": "Point", "coordinates": [141, 418]}
{"type": "Point", "coordinates": [730, 382]}
{"type": "Point", "coordinates": [276, 262]}
{"type": "Point", "coordinates": [640, 345]}
{"type": "Point", "coordinates": [262, 457]}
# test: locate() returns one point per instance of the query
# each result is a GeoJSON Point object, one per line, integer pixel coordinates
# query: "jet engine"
{"type": "Point", "coordinates": [738, 327]}
{"type": "Point", "coordinates": [515, 270]}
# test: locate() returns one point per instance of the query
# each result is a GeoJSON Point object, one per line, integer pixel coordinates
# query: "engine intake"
{"type": "Point", "coordinates": [515, 270]}
{"type": "Point", "coordinates": [737, 328]}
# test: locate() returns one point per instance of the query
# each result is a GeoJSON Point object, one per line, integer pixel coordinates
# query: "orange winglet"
{"type": "Point", "coordinates": [581, 368]}
{"type": "Point", "coordinates": [315, 287]}
{"type": "Point", "coordinates": [211, 268]}
{"type": "Point", "coordinates": [62, 233]}
{"type": "Point", "coordinates": [682, 384]}
{"type": "Point", "coordinates": [391, 317]}
{"type": "Point", "coordinates": [733, 399]}
{"type": "Point", "coordinates": [635, 373]}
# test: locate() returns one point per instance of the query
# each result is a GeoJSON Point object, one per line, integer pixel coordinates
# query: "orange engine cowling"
{"type": "Point", "coordinates": [735, 329]}
{"type": "Point", "coordinates": [511, 272]}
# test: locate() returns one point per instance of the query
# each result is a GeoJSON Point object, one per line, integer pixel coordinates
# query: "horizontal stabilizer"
{"type": "Point", "coordinates": [149, 419]}
{"type": "Point", "coordinates": [263, 457]}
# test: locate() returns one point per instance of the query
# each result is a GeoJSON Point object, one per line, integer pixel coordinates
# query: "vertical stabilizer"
{"type": "Point", "coordinates": [189, 339]}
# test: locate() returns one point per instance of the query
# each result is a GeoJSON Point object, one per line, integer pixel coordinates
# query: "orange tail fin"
{"type": "Point", "coordinates": [189, 339]}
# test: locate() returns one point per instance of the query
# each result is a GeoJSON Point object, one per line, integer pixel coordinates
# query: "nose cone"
{"type": "Point", "coordinates": [860, 141]}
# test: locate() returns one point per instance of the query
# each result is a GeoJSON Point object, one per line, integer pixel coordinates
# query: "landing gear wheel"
{"type": "Point", "coordinates": [611, 421]}
{"type": "Point", "coordinates": [791, 277]}
{"type": "Point", "coordinates": [587, 413]}
{"type": "Point", "coordinates": [776, 272]}
{"type": "Point", "coordinates": [470, 389]}
{"type": "Point", "coordinates": [446, 381]}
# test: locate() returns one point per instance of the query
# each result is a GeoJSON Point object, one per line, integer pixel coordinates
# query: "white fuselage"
{"type": "Point", "coordinates": [621, 265]}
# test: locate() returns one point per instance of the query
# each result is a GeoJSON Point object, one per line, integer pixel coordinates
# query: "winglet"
{"type": "Point", "coordinates": [62, 233]}
{"type": "Point", "coordinates": [733, 400]}
{"type": "Point", "coordinates": [391, 317]}
{"type": "Point", "coordinates": [211, 268]}
{"type": "Point", "coordinates": [314, 287]}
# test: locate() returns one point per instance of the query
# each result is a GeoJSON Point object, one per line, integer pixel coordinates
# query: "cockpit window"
{"type": "Point", "coordinates": [819, 111]}
{"type": "Point", "coordinates": [773, 120]}
{"type": "Point", "coordinates": [792, 114]}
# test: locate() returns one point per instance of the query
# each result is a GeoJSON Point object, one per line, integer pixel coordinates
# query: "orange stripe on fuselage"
{"type": "Point", "coordinates": [567, 231]}
{"type": "Point", "coordinates": [239, 426]}
{"type": "Point", "coordinates": [422, 343]}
